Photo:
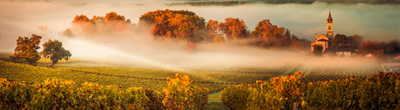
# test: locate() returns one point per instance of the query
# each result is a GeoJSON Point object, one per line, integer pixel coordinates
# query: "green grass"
{"type": "Point", "coordinates": [214, 102]}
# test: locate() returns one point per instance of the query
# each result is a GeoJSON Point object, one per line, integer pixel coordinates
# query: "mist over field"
{"type": "Point", "coordinates": [50, 19]}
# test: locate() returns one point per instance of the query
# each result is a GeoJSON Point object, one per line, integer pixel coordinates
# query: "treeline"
{"type": "Point", "coordinates": [207, 3]}
{"type": "Point", "coordinates": [183, 25]}
{"type": "Point", "coordinates": [64, 94]}
{"type": "Point", "coordinates": [365, 47]}
{"type": "Point", "coordinates": [186, 25]}
{"type": "Point", "coordinates": [361, 1]}
{"type": "Point", "coordinates": [380, 49]}
{"type": "Point", "coordinates": [380, 91]}
{"type": "Point", "coordinates": [111, 23]}
{"type": "Point", "coordinates": [242, 2]}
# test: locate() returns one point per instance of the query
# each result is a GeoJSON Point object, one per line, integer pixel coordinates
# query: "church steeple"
{"type": "Point", "coordinates": [329, 25]}
{"type": "Point", "coordinates": [329, 20]}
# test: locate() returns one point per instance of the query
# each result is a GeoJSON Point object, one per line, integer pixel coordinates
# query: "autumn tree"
{"type": "Point", "coordinates": [112, 16]}
{"type": "Point", "coordinates": [338, 40]}
{"type": "Point", "coordinates": [370, 47]}
{"type": "Point", "coordinates": [26, 50]}
{"type": "Point", "coordinates": [55, 51]}
{"type": "Point", "coordinates": [318, 50]}
{"type": "Point", "coordinates": [179, 24]}
{"type": "Point", "coordinates": [392, 47]}
{"type": "Point", "coordinates": [112, 23]}
{"type": "Point", "coordinates": [81, 19]}
{"type": "Point", "coordinates": [355, 40]}
{"type": "Point", "coordinates": [296, 43]}
{"type": "Point", "coordinates": [273, 35]}
{"type": "Point", "coordinates": [265, 29]}
{"type": "Point", "coordinates": [218, 39]}
{"type": "Point", "coordinates": [211, 29]}
{"type": "Point", "coordinates": [234, 28]}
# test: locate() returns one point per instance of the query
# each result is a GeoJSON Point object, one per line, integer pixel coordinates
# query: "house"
{"type": "Point", "coordinates": [346, 50]}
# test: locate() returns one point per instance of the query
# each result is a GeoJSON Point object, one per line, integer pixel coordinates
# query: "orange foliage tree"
{"type": "Point", "coordinates": [26, 50]}
{"type": "Point", "coordinates": [273, 36]}
{"type": "Point", "coordinates": [234, 28]}
{"type": "Point", "coordinates": [370, 47]}
{"type": "Point", "coordinates": [180, 24]}
{"type": "Point", "coordinates": [111, 23]}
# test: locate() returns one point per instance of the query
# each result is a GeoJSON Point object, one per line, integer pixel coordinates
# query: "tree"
{"type": "Point", "coordinates": [112, 16]}
{"type": "Point", "coordinates": [180, 24]}
{"type": "Point", "coordinates": [338, 40]}
{"type": "Point", "coordinates": [81, 19]}
{"type": "Point", "coordinates": [218, 39]}
{"type": "Point", "coordinates": [263, 29]}
{"type": "Point", "coordinates": [392, 47]}
{"type": "Point", "coordinates": [272, 34]}
{"type": "Point", "coordinates": [370, 47]}
{"type": "Point", "coordinates": [55, 51]}
{"type": "Point", "coordinates": [234, 28]}
{"type": "Point", "coordinates": [355, 40]}
{"type": "Point", "coordinates": [26, 50]}
{"type": "Point", "coordinates": [112, 23]}
{"type": "Point", "coordinates": [318, 50]}
{"type": "Point", "coordinates": [211, 29]}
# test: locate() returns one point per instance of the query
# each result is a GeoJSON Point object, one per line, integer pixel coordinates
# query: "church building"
{"type": "Point", "coordinates": [325, 40]}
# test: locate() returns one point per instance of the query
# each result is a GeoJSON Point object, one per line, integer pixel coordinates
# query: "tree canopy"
{"type": "Point", "coordinates": [234, 28]}
{"type": "Point", "coordinates": [338, 40]}
{"type": "Point", "coordinates": [355, 40]}
{"type": "Point", "coordinates": [211, 30]}
{"type": "Point", "coordinates": [392, 47]}
{"type": "Point", "coordinates": [111, 23]}
{"type": "Point", "coordinates": [180, 24]}
{"type": "Point", "coordinates": [317, 50]}
{"type": "Point", "coordinates": [187, 26]}
{"type": "Point", "coordinates": [370, 47]}
{"type": "Point", "coordinates": [55, 51]}
{"type": "Point", "coordinates": [274, 36]}
{"type": "Point", "coordinates": [26, 50]}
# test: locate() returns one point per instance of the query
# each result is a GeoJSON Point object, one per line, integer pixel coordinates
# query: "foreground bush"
{"type": "Point", "coordinates": [277, 93]}
{"type": "Point", "coordinates": [181, 94]}
{"type": "Point", "coordinates": [64, 94]}
{"type": "Point", "coordinates": [381, 91]}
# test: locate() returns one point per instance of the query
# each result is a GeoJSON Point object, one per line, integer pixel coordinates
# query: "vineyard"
{"type": "Point", "coordinates": [155, 80]}
{"type": "Point", "coordinates": [381, 91]}
{"type": "Point", "coordinates": [126, 77]}
{"type": "Point", "coordinates": [65, 94]}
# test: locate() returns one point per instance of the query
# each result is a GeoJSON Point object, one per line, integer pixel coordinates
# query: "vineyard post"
{"type": "Point", "coordinates": [295, 105]}
{"type": "Point", "coordinates": [170, 103]}
{"type": "Point", "coordinates": [126, 104]}
{"type": "Point", "coordinates": [54, 106]}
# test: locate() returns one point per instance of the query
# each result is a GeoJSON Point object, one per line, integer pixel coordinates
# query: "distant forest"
{"type": "Point", "coordinates": [241, 2]}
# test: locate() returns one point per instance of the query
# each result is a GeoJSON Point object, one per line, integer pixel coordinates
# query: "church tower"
{"type": "Point", "coordinates": [329, 25]}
